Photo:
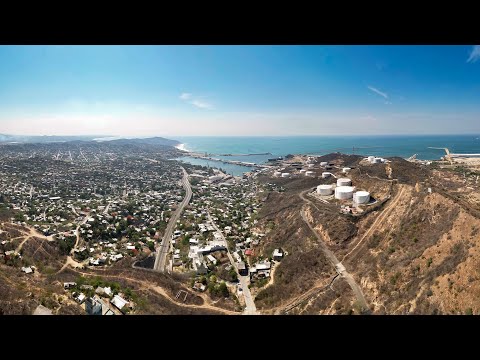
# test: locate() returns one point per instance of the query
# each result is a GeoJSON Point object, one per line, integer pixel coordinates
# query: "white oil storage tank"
{"type": "Point", "coordinates": [343, 192]}
{"type": "Point", "coordinates": [361, 197]}
{"type": "Point", "coordinates": [309, 173]}
{"type": "Point", "coordinates": [346, 169]}
{"type": "Point", "coordinates": [325, 175]}
{"type": "Point", "coordinates": [344, 182]}
{"type": "Point", "coordinates": [325, 189]}
{"type": "Point", "coordinates": [323, 163]}
{"type": "Point", "coordinates": [285, 174]}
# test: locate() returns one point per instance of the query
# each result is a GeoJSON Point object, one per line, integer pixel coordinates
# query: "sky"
{"type": "Point", "coordinates": [239, 90]}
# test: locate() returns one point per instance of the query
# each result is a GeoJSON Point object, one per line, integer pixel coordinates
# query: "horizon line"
{"type": "Point", "coordinates": [240, 136]}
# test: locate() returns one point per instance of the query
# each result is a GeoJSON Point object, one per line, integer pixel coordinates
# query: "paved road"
{"type": "Point", "coordinates": [162, 250]}
{"type": "Point", "coordinates": [250, 308]}
{"type": "Point", "coordinates": [339, 268]}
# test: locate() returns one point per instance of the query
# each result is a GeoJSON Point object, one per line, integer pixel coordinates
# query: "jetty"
{"type": "Point", "coordinates": [242, 154]}
{"type": "Point", "coordinates": [234, 162]}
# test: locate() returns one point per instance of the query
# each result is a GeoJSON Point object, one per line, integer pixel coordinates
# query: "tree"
{"type": "Point", "coordinates": [151, 246]}
{"type": "Point", "coordinates": [223, 290]}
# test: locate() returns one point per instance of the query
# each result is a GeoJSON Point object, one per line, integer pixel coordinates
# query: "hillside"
{"type": "Point", "coordinates": [24, 139]}
{"type": "Point", "coordinates": [414, 253]}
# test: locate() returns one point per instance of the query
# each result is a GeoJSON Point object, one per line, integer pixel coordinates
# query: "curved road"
{"type": "Point", "coordinates": [162, 251]}
{"type": "Point", "coordinates": [357, 290]}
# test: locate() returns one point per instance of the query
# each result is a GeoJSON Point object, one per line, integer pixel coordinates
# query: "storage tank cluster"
{"type": "Point", "coordinates": [325, 190]}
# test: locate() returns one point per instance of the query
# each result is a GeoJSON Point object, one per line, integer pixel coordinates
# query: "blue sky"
{"type": "Point", "coordinates": [239, 90]}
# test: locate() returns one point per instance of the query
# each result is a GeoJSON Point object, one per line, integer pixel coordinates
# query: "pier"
{"type": "Point", "coordinates": [234, 162]}
{"type": "Point", "coordinates": [242, 154]}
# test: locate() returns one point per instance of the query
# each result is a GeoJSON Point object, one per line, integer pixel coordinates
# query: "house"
{"type": "Point", "coordinates": [119, 302]}
{"type": "Point", "coordinates": [199, 287]}
{"type": "Point", "coordinates": [10, 254]}
{"type": "Point", "coordinates": [93, 307]}
{"type": "Point", "coordinates": [79, 298]}
{"type": "Point", "coordinates": [200, 267]}
{"type": "Point", "coordinates": [27, 270]}
{"type": "Point", "coordinates": [116, 257]}
{"type": "Point", "coordinates": [277, 255]}
{"type": "Point", "coordinates": [249, 252]}
{"type": "Point", "coordinates": [265, 265]}
{"type": "Point", "coordinates": [212, 259]}
{"type": "Point", "coordinates": [242, 269]}
{"type": "Point", "coordinates": [68, 285]}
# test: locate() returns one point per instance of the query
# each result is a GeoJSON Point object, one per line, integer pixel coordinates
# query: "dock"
{"type": "Point", "coordinates": [233, 162]}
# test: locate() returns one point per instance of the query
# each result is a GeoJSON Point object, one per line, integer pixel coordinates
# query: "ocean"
{"type": "Point", "coordinates": [382, 146]}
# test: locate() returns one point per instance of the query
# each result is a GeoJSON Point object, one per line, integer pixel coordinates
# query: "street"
{"type": "Point", "coordinates": [163, 249]}
{"type": "Point", "coordinates": [250, 308]}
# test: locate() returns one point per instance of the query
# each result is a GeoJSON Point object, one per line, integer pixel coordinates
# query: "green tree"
{"type": "Point", "coordinates": [223, 290]}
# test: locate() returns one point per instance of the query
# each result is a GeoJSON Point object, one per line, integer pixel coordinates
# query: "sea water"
{"type": "Point", "coordinates": [382, 146]}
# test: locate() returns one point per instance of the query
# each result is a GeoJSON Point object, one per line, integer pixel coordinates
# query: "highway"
{"type": "Point", "coordinates": [163, 249]}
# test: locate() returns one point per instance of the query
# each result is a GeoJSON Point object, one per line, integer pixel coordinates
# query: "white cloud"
{"type": "Point", "coordinates": [195, 101]}
{"type": "Point", "coordinates": [201, 104]}
{"type": "Point", "coordinates": [185, 96]}
{"type": "Point", "coordinates": [376, 91]}
{"type": "Point", "coordinates": [475, 54]}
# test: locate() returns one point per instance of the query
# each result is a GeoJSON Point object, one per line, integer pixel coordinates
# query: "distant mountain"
{"type": "Point", "coordinates": [159, 141]}
{"type": "Point", "coordinates": [4, 138]}
{"type": "Point", "coordinates": [150, 141]}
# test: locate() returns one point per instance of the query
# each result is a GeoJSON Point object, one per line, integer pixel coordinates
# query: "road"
{"type": "Point", "coordinates": [250, 308]}
{"type": "Point", "coordinates": [339, 268]}
{"type": "Point", "coordinates": [379, 220]}
{"type": "Point", "coordinates": [158, 289]}
{"type": "Point", "coordinates": [105, 212]}
{"type": "Point", "coordinates": [70, 260]}
{"type": "Point", "coordinates": [162, 250]}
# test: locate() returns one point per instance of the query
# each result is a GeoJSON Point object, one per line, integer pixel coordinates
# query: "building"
{"type": "Point", "coordinates": [27, 270]}
{"type": "Point", "coordinates": [93, 307]}
{"type": "Point", "coordinates": [277, 255]}
{"type": "Point", "coordinates": [242, 269]}
{"type": "Point", "coordinates": [119, 302]}
{"type": "Point", "coordinates": [68, 285]}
